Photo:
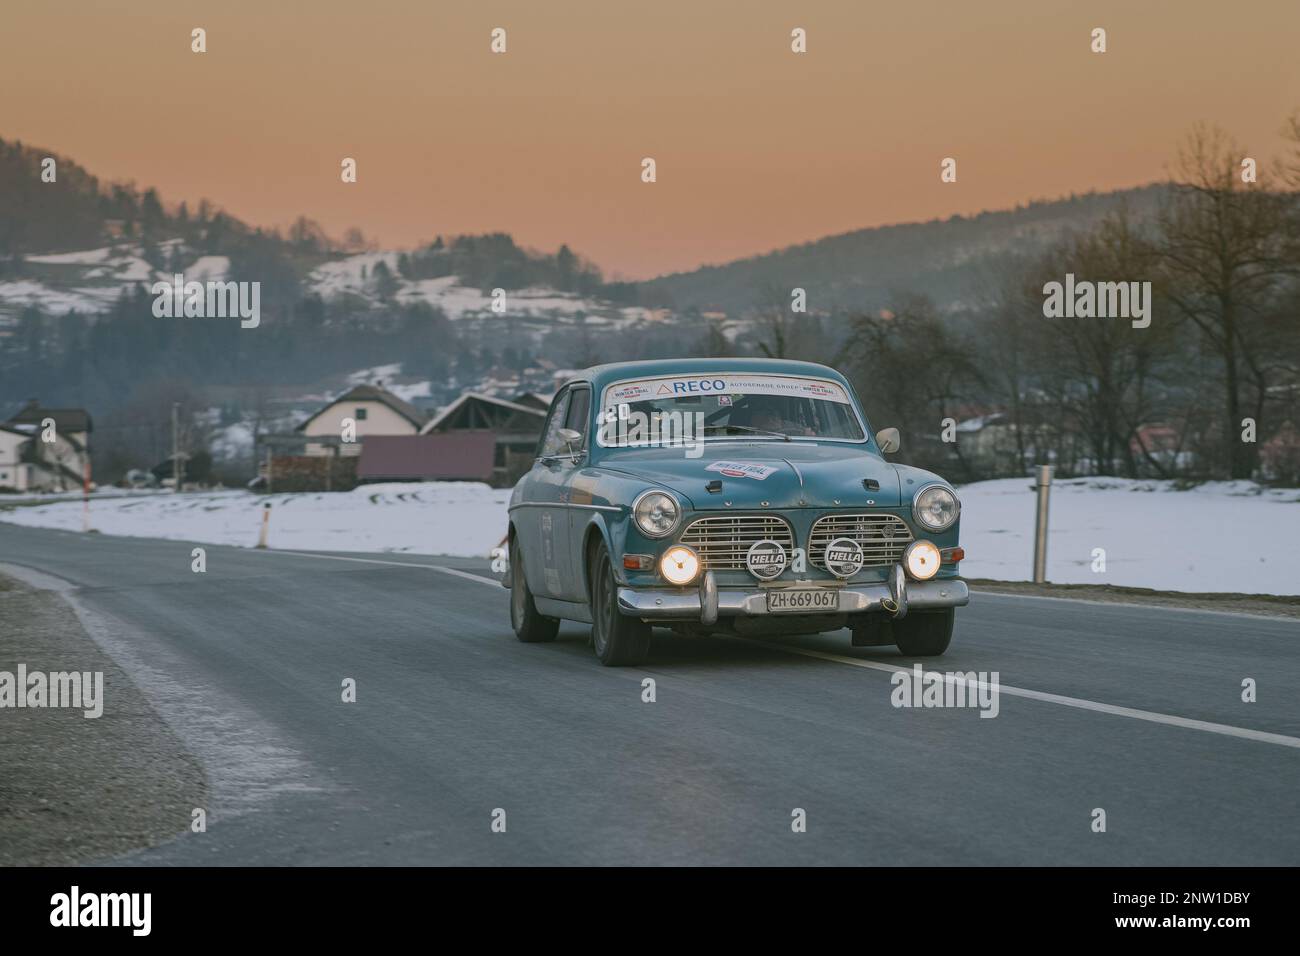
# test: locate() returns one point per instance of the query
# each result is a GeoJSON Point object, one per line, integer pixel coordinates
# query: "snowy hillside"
{"type": "Point", "coordinates": [90, 281]}
{"type": "Point", "coordinates": [355, 276]}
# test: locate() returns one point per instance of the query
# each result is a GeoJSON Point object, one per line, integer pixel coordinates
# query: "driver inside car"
{"type": "Point", "coordinates": [767, 417]}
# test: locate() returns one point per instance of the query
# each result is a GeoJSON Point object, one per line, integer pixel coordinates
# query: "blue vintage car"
{"type": "Point", "coordinates": [742, 496]}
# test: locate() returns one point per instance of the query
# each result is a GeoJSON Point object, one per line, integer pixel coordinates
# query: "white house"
{"type": "Point", "coordinates": [45, 449]}
{"type": "Point", "coordinates": [375, 411]}
{"type": "Point", "coordinates": [14, 472]}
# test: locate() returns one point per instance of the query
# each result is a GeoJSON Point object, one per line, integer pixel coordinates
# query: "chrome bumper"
{"type": "Point", "coordinates": [709, 601]}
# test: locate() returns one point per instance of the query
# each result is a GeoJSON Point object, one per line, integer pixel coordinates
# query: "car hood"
{"type": "Point", "coordinates": [766, 474]}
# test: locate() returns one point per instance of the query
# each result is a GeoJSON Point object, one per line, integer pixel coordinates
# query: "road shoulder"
{"type": "Point", "coordinates": [76, 789]}
{"type": "Point", "coordinates": [1261, 605]}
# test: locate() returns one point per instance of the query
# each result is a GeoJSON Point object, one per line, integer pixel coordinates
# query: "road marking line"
{"type": "Point", "coordinates": [1227, 730]}
{"type": "Point", "coordinates": [397, 564]}
{"type": "Point", "coordinates": [1253, 615]}
{"type": "Point", "coordinates": [1261, 736]}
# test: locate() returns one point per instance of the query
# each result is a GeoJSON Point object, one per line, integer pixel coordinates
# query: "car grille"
{"type": "Point", "coordinates": [723, 542]}
{"type": "Point", "coordinates": [883, 537]}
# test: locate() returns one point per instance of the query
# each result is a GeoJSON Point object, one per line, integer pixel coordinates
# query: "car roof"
{"type": "Point", "coordinates": [601, 375]}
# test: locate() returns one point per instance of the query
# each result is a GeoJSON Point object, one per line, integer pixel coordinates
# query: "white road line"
{"type": "Point", "coordinates": [397, 564]}
{"type": "Point", "coordinates": [1227, 730]}
{"type": "Point", "coordinates": [1252, 615]}
{"type": "Point", "coordinates": [1204, 725]}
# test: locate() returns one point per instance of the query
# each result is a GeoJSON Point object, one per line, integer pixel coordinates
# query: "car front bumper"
{"type": "Point", "coordinates": [707, 602]}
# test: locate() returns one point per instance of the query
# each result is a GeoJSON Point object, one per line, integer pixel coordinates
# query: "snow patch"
{"type": "Point", "coordinates": [465, 519]}
{"type": "Point", "coordinates": [1232, 536]}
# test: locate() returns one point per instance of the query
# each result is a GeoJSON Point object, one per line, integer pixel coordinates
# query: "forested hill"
{"type": "Point", "coordinates": [946, 258]}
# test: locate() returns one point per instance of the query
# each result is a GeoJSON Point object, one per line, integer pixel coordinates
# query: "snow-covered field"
{"type": "Point", "coordinates": [455, 518]}
{"type": "Point", "coordinates": [1225, 536]}
{"type": "Point", "coordinates": [1220, 536]}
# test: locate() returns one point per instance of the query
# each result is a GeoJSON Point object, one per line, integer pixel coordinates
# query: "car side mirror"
{"type": "Point", "coordinates": [570, 438]}
{"type": "Point", "coordinates": [889, 440]}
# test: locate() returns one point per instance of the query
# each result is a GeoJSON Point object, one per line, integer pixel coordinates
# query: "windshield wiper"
{"type": "Point", "coordinates": [755, 431]}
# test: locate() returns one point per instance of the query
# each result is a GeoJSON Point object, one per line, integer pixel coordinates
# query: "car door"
{"type": "Point", "coordinates": [545, 515]}
{"type": "Point", "coordinates": [577, 418]}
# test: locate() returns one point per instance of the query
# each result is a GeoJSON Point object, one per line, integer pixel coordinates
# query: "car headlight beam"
{"type": "Point", "coordinates": [679, 565]}
{"type": "Point", "coordinates": [656, 514]}
{"type": "Point", "coordinates": [935, 508]}
{"type": "Point", "coordinates": [922, 560]}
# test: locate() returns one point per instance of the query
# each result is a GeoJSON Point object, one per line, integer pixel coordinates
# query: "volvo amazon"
{"type": "Point", "coordinates": [738, 496]}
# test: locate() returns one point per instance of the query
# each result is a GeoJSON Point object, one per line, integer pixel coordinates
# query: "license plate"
{"type": "Point", "coordinates": [802, 600]}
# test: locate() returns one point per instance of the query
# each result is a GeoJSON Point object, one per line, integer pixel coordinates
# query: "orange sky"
{"type": "Point", "coordinates": [757, 148]}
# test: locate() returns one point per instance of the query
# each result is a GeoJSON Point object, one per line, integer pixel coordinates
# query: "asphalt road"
{"type": "Point", "coordinates": [1133, 710]}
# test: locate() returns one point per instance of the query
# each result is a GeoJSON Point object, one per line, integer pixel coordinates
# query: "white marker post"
{"type": "Point", "coordinates": [266, 526]}
{"type": "Point", "coordinates": [1044, 486]}
{"type": "Point", "coordinates": [85, 495]}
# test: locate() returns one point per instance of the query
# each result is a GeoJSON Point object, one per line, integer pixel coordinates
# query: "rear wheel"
{"type": "Point", "coordinates": [619, 641]}
{"type": "Point", "coordinates": [530, 626]}
{"type": "Point", "coordinates": [924, 633]}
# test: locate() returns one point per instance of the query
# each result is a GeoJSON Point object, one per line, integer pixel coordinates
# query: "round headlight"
{"type": "Point", "coordinates": [656, 514]}
{"type": "Point", "coordinates": [679, 565]}
{"type": "Point", "coordinates": [936, 508]}
{"type": "Point", "coordinates": [922, 560]}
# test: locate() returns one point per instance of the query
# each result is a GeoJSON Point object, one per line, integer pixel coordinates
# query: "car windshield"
{"type": "Point", "coordinates": [726, 406]}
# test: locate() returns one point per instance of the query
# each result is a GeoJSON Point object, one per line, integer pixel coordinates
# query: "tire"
{"type": "Point", "coordinates": [619, 641]}
{"type": "Point", "coordinates": [530, 626]}
{"type": "Point", "coordinates": [924, 633]}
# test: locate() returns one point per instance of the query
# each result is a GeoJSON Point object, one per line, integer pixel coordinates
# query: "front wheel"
{"type": "Point", "coordinates": [924, 633]}
{"type": "Point", "coordinates": [530, 626]}
{"type": "Point", "coordinates": [619, 641]}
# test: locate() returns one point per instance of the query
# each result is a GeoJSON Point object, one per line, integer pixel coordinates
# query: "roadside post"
{"type": "Point", "coordinates": [266, 525]}
{"type": "Point", "coordinates": [85, 496]}
{"type": "Point", "coordinates": [1044, 485]}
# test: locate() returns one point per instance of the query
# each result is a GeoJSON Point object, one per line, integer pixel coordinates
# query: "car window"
{"type": "Point", "coordinates": [730, 406]}
{"type": "Point", "coordinates": [551, 443]}
{"type": "Point", "coordinates": [579, 405]}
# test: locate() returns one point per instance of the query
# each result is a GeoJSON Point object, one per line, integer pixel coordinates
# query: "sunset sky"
{"type": "Point", "coordinates": [757, 147]}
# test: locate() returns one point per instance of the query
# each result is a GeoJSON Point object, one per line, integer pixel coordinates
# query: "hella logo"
{"type": "Point", "coordinates": [765, 559]}
{"type": "Point", "coordinates": [844, 557]}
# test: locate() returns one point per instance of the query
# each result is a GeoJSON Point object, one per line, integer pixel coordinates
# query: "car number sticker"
{"type": "Point", "coordinates": [742, 469]}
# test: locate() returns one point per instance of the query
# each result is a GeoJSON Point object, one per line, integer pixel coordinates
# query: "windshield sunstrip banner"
{"type": "Point", "coordinates": [729, 384]}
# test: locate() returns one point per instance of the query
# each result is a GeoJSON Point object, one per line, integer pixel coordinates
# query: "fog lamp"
{"type": "Point", "coordinates": [679, 565]}
{"type": "Point", "coordinates": [922, 560]}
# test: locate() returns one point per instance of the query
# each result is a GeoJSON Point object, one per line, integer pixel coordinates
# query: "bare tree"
{"type": "Point", "coordinates": [1111, 369]}
{"type": "Point", "coordinates": [910, 370]}
{"type": "Point", "coordinates": [1224, 253]}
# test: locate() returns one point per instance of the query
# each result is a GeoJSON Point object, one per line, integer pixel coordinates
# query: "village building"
{"type": "Point", "coordinates": [373, 409]}
{"type": "Point", "coordinates": [30, 462]}
{"type": "Point", "coordinates": [514, 426]}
